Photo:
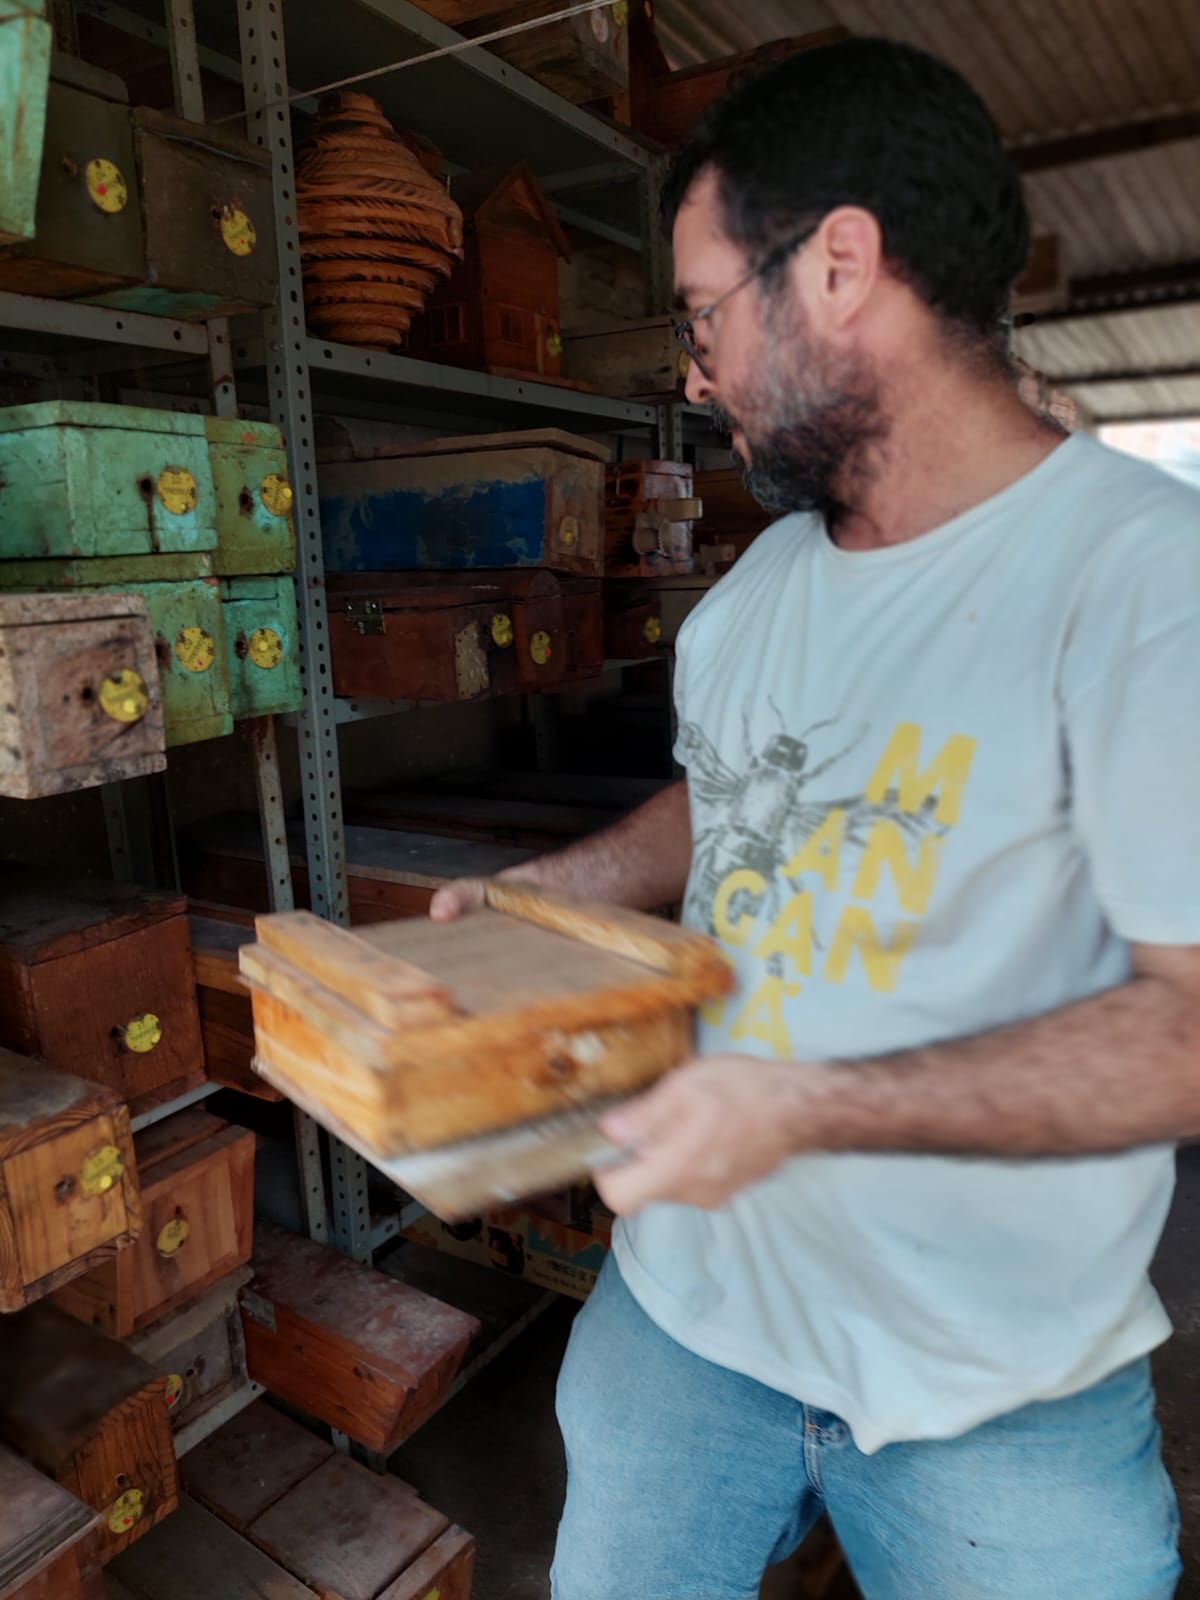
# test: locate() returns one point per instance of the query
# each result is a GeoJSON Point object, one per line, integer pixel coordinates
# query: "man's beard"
{"type": "Point", "coordinates": [808, 420]}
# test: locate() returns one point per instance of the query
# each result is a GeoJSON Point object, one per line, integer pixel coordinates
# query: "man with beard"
{"type": "Point", "coordinates": [884, 1244]}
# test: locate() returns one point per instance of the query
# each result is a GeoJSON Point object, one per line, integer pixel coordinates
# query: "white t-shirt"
{"type": "Point", "coordinates": [936, 788]}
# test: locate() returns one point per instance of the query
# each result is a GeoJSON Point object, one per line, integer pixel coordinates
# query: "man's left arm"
{"type": "Point", "coordinates": [1117, 1070]}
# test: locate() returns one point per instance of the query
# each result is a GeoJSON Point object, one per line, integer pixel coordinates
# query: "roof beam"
{"type": "Point", "coordinates": [1077, 380]}
{"type": "Point", "coordinates": [1174, 283]}
{"type": "Point", "coordinates": [1096, 144]}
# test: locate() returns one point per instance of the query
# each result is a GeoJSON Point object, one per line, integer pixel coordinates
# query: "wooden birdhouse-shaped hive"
{"type": "Point", "coordinates": [499, 310]}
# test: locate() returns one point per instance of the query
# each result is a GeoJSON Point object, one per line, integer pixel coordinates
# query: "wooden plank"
{"type": "Point", "coordinates": [41, 1521]}
{"type": "Point", "coordinates": [534, 825]}
{"type": "Point", "coordinates": [345, 1343]}
{"type": "Point", "coordinates": [444, 1570]}
{"type": "Point", "coordinates": [574, 444]}
{"type": "Point", "coordinates": [250, 1463]}
{"type": "Point", "coordinates": [347, 1532]}
{"type": "Point", "coordinates": [195, 1556]}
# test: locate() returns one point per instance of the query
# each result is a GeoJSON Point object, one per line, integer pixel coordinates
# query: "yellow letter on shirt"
{"type": "Point", "coordinates": [914, 880]}
{"type": "Point", "coordinates": [791, 934]}
{"type": "Point", "coordinates": [857, 931]}
{"type": "Point", "coordinates": [822, 851]}
{"type": "Point", "coordinates": [899, 770]}
{"type": "Point", "coordinates": [736, 932]}
{"type": "Point", "coordinates": [762, 1016]}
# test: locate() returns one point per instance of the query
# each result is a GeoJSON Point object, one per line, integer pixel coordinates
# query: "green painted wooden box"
{"type": "Point", "coordinates": [25, 40]}
{"type": "Point", "coordinates": [255, 534]}
{"type": "Point", "coordinates": [78, 478]}
{"type": "Point", "coordinates": [193, 659]}
{"type": "Point", "coordinates": [261, 641]}
{"type": "Point", "coordinates": [88, 232]}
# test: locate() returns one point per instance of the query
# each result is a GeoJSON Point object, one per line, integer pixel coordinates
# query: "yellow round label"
{"type": "Point", "coordinates": [652, 632]}
{"type": "Point", "coordinates": [238, 231]}
{"type": "Point", "coordinates": [125, 1510]}
{"type": "Point", "coordinates": [276, 494]}
{"type": "Point", "coordinates": [106, 185]}
{"type": "Point", "coordinates": [554, 344]}
{"type": "Point", "coordinates": [178, 490]}
{"type": "Point", "coordinates": [502, 630]}
{"type": "Point", "coordinates": [124, 696]}
{"type": "Point", "coordinates": [685, 362]}
{"type": "Point", "coordinates": [265, 648]}
{"type": "Point", "coordinates": [143, 1033]}
{"type": "Point", "coordinates": [568, 531]}
{"type": "Point", "coordinates": [173, 1237]}
{"type": "Point", "coordinates": [101, 1170]}
{"type": "Point", "coordinates": [174, 1389]}
{"type": "Point", "coordinates": [195, 649]}
{"type": "Point", "coordinates": [434, 1594]}
{"type": "Point", "coordinates": [621, 13]}
{"type": "Point", "coordinates": [540, 648]}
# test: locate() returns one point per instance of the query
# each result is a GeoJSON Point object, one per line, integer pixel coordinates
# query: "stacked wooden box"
{"type": "Point", "coordinates": [191, 517]}
{"type": "Point", "coordinates": [25, 42]}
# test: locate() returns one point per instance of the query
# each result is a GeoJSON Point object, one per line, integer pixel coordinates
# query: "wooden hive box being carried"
{"type": "Point", "coordinates": [414, 1037]}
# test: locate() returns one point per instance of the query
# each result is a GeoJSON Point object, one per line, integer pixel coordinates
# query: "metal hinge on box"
{"type": "Point", "coordinates": [365, 616]}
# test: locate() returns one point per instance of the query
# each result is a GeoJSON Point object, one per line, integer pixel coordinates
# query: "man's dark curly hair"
{"type": "Point", "coordinates": [877, 124]}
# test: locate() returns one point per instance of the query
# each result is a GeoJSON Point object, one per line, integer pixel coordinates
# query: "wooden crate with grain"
{"type": "Point", "coordinates": [48, 1537]}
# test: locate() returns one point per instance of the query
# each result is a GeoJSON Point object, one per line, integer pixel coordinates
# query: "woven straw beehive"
{"type": "Point", "coordinates": [377, 228]}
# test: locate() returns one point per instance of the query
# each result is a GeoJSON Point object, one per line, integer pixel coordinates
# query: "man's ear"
{"type": "Point", "coordinates": [841, 266]}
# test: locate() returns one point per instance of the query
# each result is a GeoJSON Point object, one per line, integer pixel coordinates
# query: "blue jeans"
{"type": "Point", "coordinates": [686, 1480]}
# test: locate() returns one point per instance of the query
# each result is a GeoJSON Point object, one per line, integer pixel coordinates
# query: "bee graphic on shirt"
{"type": "Point", "coordinates": [760, 817]}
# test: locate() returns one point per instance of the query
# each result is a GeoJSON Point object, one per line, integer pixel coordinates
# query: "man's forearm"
{"type": "Point", "coordinates": [1114, 1071]}
{"type": "Point", "coordinates": [641, 861]}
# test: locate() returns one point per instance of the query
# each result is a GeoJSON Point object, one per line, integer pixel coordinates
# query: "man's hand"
{"type": "Point", "coordinates": [705, 1131]}
{"type": "Point", "coordinates": [457, 898]}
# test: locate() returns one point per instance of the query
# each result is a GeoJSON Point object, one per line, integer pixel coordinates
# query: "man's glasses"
{"type": "Point", "coordinates": [685, 328]}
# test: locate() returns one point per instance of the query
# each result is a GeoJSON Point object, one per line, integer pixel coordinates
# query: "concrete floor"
{"type": "Point", "coordinates": [492, 1459]}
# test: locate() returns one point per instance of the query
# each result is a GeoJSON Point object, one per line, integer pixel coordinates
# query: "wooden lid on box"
{"type": "Point", "coordinates": [42, 919]}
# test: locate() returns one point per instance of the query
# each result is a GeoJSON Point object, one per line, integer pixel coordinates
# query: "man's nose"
{"type": "Point", "coordinates": [697, 388]}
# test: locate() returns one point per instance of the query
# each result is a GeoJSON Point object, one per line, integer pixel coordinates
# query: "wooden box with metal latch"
{"type": "Point", "coordinates": [200, 1351]}
{"type": "Point", "coordinates": [25, 43]}
{"type": "Point", "coordinates": [48, 1537]}
{"type": "Point", "coordinates": [79, 696]}
{"type": "Point", "coordinates": [91, 1415]}
{"type": "Point", "coordinates": [411, 1035]}
{"type": "Point", "coordinates": [262, 646]}
{"type": "Point", "coordinates": [80, 478]}
{"type": "Point", "coordinates": [640, 360]}
{"type": "Point", "coordinates": [208, 219]}
{"type": "Point", "coordinates": [96, 978]}
{"type": "Point", "coordinates": [633, 624]}
{"type": "Point", "coordinates": [255, 534]}
{"type": "Point", "coordinates": [68, 1185]}
{"type": "Point", "coordinates": [197, 1180]}
{"type": "Point", "coordinates": [386, 1352]}
{"type": "Point", "coordinates": [445, 636]}
{"type": "Point", "coordinates": [495, 500]}
{"type": "Point", "coordinates": [649, 515]}
{"type": "Point", "coordinates": [88, 227]}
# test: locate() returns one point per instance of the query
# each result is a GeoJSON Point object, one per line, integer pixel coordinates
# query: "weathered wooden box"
{"type": "Point", "coordinates": [226, 1016]}
{"type": "Point", "coordinates": [254, 498]}
{"type": "Point", "coordinates": [386, 1352]}
{"type": "Point", "coordinates": [96, 978]}
{"type": "Point", "coordinates": [88, 226]}
{"type": "Point", "coordinates": [446, 636]}
{"type": "Point", "coordinates": [581, 58]}
{"type": "Point", "coordinates": [509, 500]}
{"type": "Point", "coordinates": [79, 696]}
{"type": "Point", "coordinates": [649, 515]}
{"type": "Point", "coordinates": [68, 1184]}
{"type": "Point", "coordinates": [93, 1416]}
{"type": "Point", "coordinates": [631, 360]}
{"type": "Point", "coordinates": [262, 646]}
{"type": "Point", "coordinates": [79, 478]}
{"type": "Point", "coordinates": [48, 1537]}
{"type": "Point", "coordinates": [197, 1181]}
{"type": "Point", "coordinates": [193, 656]}
{"type": "Point", "coordinates": [25, 42]}
{"type": "Point", "coordinates": [199, 1350]}
{"type": "Point", "coordinates": [633, 625]}
{"type": "Point", "coordinates": [410, 1035]}
{"type": "Point", "coordinates": [208, 220]}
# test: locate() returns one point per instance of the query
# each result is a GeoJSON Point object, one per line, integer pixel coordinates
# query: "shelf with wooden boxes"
{"type": "Point", "coordinates": [69, 1197]}
{"type": "Point", "coordinates": [96, 978]}
{"type": "Point", "coordinates": [48, 1537]}
{"type": "Point", "coordinates": [197, 1183]}
{"type": "Point", "coordinates": [92, 1415]}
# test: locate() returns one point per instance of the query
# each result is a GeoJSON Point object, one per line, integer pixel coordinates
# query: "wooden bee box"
{"type": "Point", "coordinates": [649, 513]}
{"type": "Point", "coordinates": [68, 1184]}
{"type": "Point", "coordinates": [47, 1537]}
{"type": "Point", "coordinates": [499, 500]}
{"type": "Point", "coordinates": [581, 58]}
{"type": "Point", "coordinates": [199, 1350]}
{"type": "Point", "coordinates": [254, 498]}
{"type": "Point", "coordinates": [96, 978]}
{"type": "Point", "coordinates": [411, 1035]}
{"type": "Point", "coordinates": [446, 636]}
{"type": "Point", "coordinates": [262, 646]}
{"type": "Point", "coordinates": [25, 41]}
{"type": "Point", "coordinates": [88, 228]}
{"type": "Point", "coordinates": [226, 1017]}
{"type": "Point", "coordinates": [92, 1415]}
{"type": "Point", "coordinates": [353, 1347]}
{"type": "Point", "coordinates": [640, 360]}
{"type": "Point", "coordinates": [633, 625]}
{"type": "Point", "coordinates": [79, 695]}
{"type": "Point", "coordinates": [208, 219]}
{"type": "Point", "coordinates": [197, 1179]}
